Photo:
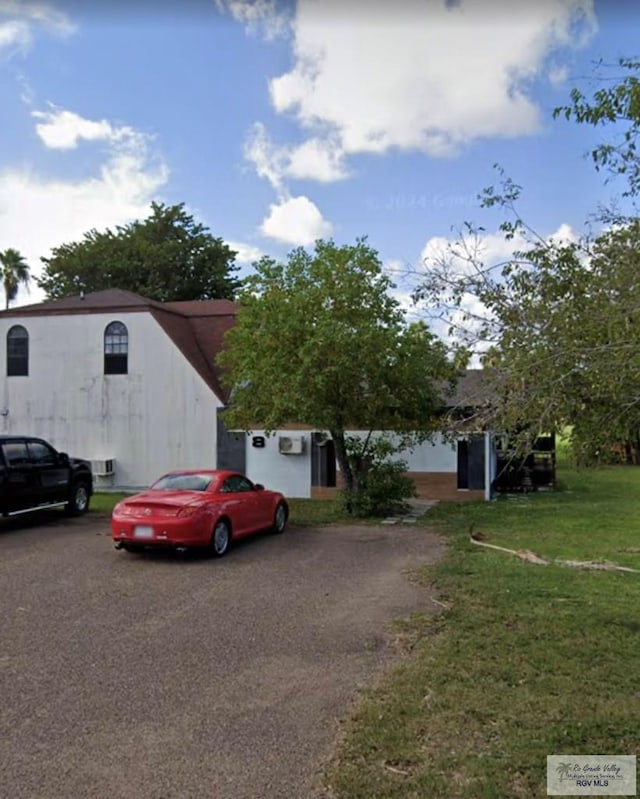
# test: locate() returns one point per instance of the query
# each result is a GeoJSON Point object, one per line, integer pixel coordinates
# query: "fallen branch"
{"type": "Point", "coordinates": [524, 554]}
{"type": "Point", "coordinates": [396, 770]}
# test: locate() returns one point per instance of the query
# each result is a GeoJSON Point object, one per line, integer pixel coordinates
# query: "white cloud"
{"type": "Point", "coordinates": [62, 130]}
{"type": "Point", "coordinates": [15, 33]}
{"type": "Point", "coordinates": [565, 234]}
{"type": "Point", "coordinates": [315, 159]}
{"type": "Point", "coordinates": [266, 157]}
{"type": "Point", "coordinates": [465, 257]}
{"type": "Point", "coordinates": [258, 16]}
{"type": "Point", "coordinates": [246, 253]}
{"type": "Point", "coordinates": [18, 18]}
{"type": "Point", "coordinates": [295, 221]}
{"type": "Point", "coordinates": [558, 76]}
{"type": "Point", "coordinates": [424, 76]}
{"type": "Point", "coordinates": [40, 212]}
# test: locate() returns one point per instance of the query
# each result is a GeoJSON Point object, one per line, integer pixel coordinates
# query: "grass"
{"type": "Point", "coordinates": [311, 512]}
{"type": "Point", "coordinates": [303, 512]}
{"type": "Point", "coordinates": [104, 502]}
{"type": "Point", "coordinates": [526, 662]}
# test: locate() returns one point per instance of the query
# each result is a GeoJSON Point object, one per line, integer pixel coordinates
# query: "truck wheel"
{"type": "Point", "coordinates": [79, 500]}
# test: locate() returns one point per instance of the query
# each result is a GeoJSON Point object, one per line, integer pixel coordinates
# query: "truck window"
{"type": "Point", "coordinates": [42, 454]}
{"type": "Point", "coordinates": [15, 453]}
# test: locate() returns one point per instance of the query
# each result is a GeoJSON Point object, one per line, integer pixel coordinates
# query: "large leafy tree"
{"type": "Point", "coordinates": [319, 340]}
{"type": "Point", "coordinates": [167, 256]}
{"type": "Point", "coordinates": [15, 272]}
{"type": "Point", "coordinates": [558, 322]}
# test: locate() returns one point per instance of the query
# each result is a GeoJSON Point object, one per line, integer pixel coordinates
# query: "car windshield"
{"type": "Point", "coordinates": [183, 482]}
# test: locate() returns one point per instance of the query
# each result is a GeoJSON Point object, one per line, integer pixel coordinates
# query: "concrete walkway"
{"type": "Point", "coordinates": [417, 508]}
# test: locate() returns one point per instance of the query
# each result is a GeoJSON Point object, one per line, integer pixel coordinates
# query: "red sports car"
{"type": "Point", "coordinates": [197, 508]}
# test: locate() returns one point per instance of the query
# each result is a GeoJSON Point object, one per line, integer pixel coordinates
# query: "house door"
{"type": "Point", "coordinates": [323, 461]}
{"type": "Point", "coordinates": [231, 449]}
{"type": "Point", "coordinates": [471, 453]}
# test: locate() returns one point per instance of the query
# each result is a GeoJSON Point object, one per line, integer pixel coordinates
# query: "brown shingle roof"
{"type": "Point", "coordinates": [474, 388]}
{"type": "Point", "coordinates": [94, 302]}
{"type": "Point", "coordinates": [196, 327]}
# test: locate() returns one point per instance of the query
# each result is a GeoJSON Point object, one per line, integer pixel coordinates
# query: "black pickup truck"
{"type": "Point", "coordinates": [35, 476]}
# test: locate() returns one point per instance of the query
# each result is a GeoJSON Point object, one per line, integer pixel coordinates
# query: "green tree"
{"type": "Point", "coordinates": [166, 257]}
{"type": "Point", "coordinates": [15, 272]}
{"type": "Point", "coordinates": [558, 322]}
{"type": "Point", "coordinates": [618, 103]}
{"type": "Point", "coordinates": [320, 341]}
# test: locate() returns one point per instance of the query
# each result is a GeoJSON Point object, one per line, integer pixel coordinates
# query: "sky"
{"type": "Point", "coordinates": [277, 123]}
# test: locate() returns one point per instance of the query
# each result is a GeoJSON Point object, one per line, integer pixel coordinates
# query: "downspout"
{"type": "Point", "coordinates": [488, 465]}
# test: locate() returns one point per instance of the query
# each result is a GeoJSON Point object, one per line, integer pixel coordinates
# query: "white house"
{"type": "Point", "coordinates": [118, 379]}
{"type": "Point", "coordinates": [131, 384]}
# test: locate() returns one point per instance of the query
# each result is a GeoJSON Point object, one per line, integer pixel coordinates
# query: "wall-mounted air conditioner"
{"type": "Point", "coordinates": [291, 445]}
{"type": "Point", "coordinates": [103, 468]}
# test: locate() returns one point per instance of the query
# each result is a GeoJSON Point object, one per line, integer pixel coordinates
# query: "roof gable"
{"type": "Point", "coordinates": [196, 327]}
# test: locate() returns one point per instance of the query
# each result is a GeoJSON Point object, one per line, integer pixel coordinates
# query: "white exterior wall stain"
{"type": "Point", "coordinates": [438, 455]}
{"type": "Point", "coordinates": [290, 474]}
{"type": "Point", "coordinates": [160, 416]}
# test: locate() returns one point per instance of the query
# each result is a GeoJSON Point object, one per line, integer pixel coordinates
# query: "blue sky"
{"type": "Point", "coordinates": [279, 123]}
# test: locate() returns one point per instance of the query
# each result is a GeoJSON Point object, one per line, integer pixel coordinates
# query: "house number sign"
{"type": "Point", "coordinates": [258, 442]}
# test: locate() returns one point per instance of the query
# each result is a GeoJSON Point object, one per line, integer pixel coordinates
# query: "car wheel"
{"type": "Point", "coordinates": [79, 501]}
{"type": "Point", "coordinates": [221, 539]}
{"type": "Point", "coordinates": [280, 518]}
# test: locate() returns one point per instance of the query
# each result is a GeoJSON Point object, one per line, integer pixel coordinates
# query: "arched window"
{"type": "Point", "coordinates": [116, 349]}
{"type": "Point", "coordinates": [17, 352]}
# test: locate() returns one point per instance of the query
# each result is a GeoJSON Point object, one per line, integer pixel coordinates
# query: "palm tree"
{"type": "Point", "coordinates": [15, 270]}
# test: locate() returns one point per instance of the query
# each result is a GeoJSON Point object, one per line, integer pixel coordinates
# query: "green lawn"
{"type": "Point", "coordinates": [527, 660]}
{"type": "Point", "coordinates": [104, 502]}
{"type": "Point", "coordinates": [303, 512]}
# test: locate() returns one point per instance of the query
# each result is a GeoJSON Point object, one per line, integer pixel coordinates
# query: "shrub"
{"type": "Point", "coordinates": [384, 490]}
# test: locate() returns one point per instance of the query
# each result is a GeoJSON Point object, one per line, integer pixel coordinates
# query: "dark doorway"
{"type": "Point", "coordinates": [323, 461]}
{"type": "Point", "coordinates": [471, 453]}
{"type": "Point", "coordinates": [231, 448]}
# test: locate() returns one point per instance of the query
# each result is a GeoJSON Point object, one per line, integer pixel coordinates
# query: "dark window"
{"type": "Point", "coordinates": [236, 483]}
{"type": "Point", "coordinates": [17, 352]}
{"type": "Point", "coordinates": [42, 453]}
{"type": "Point", "coordinates": [116, 349]}
{"type": "Point", "coordinates": [15, 453]}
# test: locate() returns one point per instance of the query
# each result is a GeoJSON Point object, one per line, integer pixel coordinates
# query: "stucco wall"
{"type": "Point", "coordinates": [290, 474]}
{"type": "Point", "coordinates": [439, 456]}
{"type": "Point", "coordinates": [159, 416]}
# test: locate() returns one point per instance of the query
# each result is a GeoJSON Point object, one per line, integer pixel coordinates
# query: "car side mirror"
{"type": "Point", "coordinates": [63, 459]}
{"type": "Point", "coordinates": [258, 487]}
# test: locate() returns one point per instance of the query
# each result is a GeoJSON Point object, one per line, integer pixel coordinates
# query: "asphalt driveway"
{"type": "Point", "coordinates": [171, 677]}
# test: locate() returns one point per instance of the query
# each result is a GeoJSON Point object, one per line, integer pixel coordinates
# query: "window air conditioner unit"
{"type": "Point", "coordinates": [291, 445]}
{"type": "Point", "coordinates": [103, 468]}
